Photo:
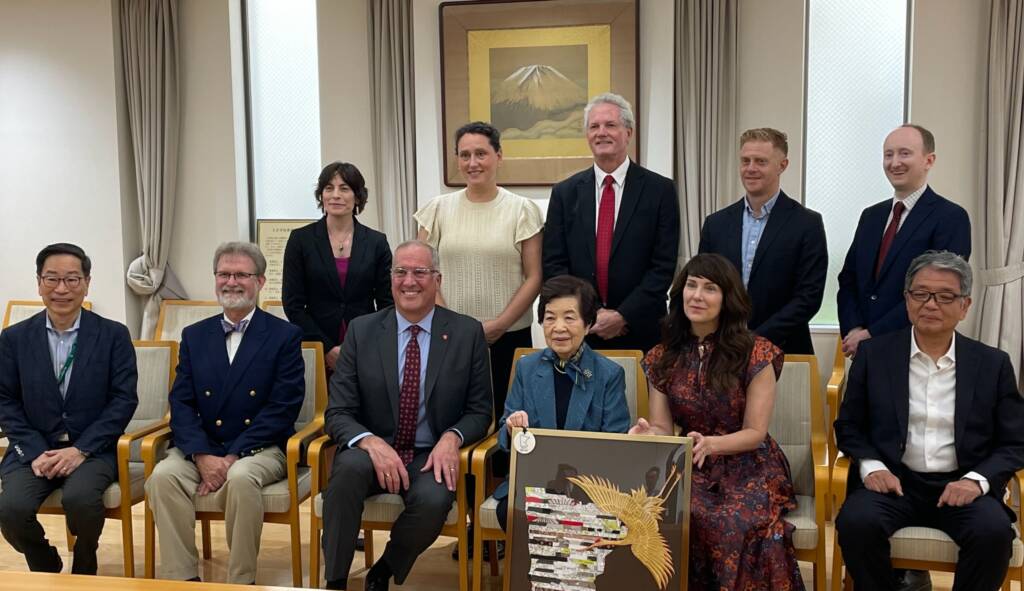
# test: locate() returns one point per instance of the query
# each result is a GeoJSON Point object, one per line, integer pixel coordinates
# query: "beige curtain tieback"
{"type": "Point", "coordinates": [1001, 275]}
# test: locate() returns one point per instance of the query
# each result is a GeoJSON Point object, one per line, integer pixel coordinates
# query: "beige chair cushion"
{"type": "Point", "coordinates": [111, 496]}
{"type": "Point", "coordinates": [805, 536]}
{"type": "Point", "coordinates": [176, 317]}
{"type": "Point", "coordinates": [384, 508]}
{"type": "Point", "coordinates": [275, 496]}
{"type": "Point", "coordinates": [791, 423]}
{"type": "Point", "coordinates": [925, 543]}
{"type": "Point", "coordinates": [489, 514]}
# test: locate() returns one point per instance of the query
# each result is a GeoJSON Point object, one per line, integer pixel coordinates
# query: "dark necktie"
{"type": "Point", "coordinates": [889, 236]}
{"type": "Point", "coordinates": [409, 399]}
{"type": "Point", "coordinates": [605, 230]}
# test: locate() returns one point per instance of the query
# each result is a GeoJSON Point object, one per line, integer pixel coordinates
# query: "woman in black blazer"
{"type": "Point", "coordinates": [336, 268]}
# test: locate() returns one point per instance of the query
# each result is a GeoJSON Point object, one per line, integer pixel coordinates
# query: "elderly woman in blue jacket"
{"type": "Point", "coordinates": [567, 385]}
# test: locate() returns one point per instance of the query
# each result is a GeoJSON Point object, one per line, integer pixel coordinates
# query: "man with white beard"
{"type": "Point", "coordinates": [238, 390]}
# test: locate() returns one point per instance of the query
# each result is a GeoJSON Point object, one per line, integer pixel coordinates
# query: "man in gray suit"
{"type": "Point", "coordinates": [411, 387]}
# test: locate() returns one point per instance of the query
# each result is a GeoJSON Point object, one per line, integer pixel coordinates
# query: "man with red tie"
{"type": "Point", "coordinates": [412, 386]}
{"type": "Point", "coordinates": [615, 224]}
{"type": "Point", "coordinates": [891, 234]}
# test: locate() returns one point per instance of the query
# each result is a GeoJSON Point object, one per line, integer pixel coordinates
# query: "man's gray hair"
{"type": "Point", "coordinates": [942, 260]}
{"type": "Point", "coordinates": [610, 98]}
{"type": "Point", "coordinates": [435, 259]}
{"type": "Point", "coordinates": [243, 248]}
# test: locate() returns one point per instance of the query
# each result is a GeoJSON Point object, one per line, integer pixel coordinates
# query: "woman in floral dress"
{"type": "Point", "coordinates": [716, 380]}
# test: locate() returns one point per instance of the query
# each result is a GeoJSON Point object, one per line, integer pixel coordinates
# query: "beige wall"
{"type": "Point", "coordinates": [60, 178]}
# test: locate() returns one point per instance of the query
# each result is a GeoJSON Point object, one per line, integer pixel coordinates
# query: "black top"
{"type": "Point", "coordinates": [563, 392]}
{"type": "Point", "coordinates": [312, 293]}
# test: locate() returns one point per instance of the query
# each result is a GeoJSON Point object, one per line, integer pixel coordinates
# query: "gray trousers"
{"type": "Point", "coordinates": [171, 491]}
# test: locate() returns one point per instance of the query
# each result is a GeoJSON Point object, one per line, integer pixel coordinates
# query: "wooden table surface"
{"type": "Point", "coordinates": [23, 581]}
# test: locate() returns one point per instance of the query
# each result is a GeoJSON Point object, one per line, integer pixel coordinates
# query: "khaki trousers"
{"type": "Point", "coordinates": [171, 491]}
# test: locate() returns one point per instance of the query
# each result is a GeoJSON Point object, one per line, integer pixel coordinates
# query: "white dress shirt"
{"type": "Point", "coordinates": [931, 446]}
{"type": "Point", "coordinates": [619, 174]}
{"type": "Point", "coordinates": [908, 203]}
{"type": "Point", "coordinates": [234, 339]}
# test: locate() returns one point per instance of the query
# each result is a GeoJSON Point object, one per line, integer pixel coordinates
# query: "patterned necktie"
{"type": "Point", "coordinates": [605, 230]}
{"type": "Point", "coordinates": [409, 399]}
{"type": "Point", "coordinates": [889, 236]}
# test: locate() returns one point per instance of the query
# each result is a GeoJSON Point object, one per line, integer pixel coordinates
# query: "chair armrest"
{"type": "Point", "coordinates": [481, 454]}
{"type": "Point", "coordinates": [319, 456]}
{"type": "Point", "coordinates": [840, 473]}
{"type": "Point", "coordinates": [301, 439]}
{"type": "Point", "coordinates": [124, 442]}
{"type": "Point", "coordinates": [151, 445]}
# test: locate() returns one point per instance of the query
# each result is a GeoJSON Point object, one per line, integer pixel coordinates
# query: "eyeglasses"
{"type": "Point", "coordinates": [942, 297]}
{"type": "Point", "coordinates": [419, 273]}
{"type": "Point", "coordinates": [224, 276]}
{"type": "Point", "coordinates": [52, 281]}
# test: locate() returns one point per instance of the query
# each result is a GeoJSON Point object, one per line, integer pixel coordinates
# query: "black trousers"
{"type": "Point", "coordinates": [82, 492]}
{"type": "Point", "coordinates": [427, 504]}
{"type": "Point", "coordinates": [982, 529]}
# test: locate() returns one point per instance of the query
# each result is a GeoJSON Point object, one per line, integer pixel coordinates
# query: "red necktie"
{"type": "Point", "coordinates": [605, 230]}
{"type": "Point", "coordinates": [409, 399]}
{"type": "Point", "coordinates": [889, 236]}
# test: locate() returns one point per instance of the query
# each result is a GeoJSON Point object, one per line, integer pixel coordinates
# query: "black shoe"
{"type": "Point", "coordinates": [194, 580]}
{"type": "Point", "coordinates": [341, 585]}
{"type": "Point", "coordinates": [58, 564]}
{"type": "Point", "coordinates": [360, 543]}
{"type": "Point", "coordinates": [916, 580]}
{"type": "Point", "coordinates": [377, 578]}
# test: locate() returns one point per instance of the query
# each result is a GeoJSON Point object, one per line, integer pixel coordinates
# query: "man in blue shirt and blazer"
{"type": "Point", "coordinates": [892, 233]}
{"type": "Point", "coordinates": [776, 244]}
{"type": "Point", "coordinates": [67, 391]}
{"type": "Point", "coordinates": [239, 387]}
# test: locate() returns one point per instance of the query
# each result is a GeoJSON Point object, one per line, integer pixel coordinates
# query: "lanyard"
{"type": "Point", "coordinates": [67, 364]}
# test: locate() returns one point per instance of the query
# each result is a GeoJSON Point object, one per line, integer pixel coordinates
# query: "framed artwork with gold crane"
{"type": "Point", "coordinates": [529, 67]}
{"type": "Point", "coordinates": [598, 511]}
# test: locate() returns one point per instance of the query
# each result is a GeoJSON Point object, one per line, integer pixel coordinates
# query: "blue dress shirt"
{"type": "Point", "coordinates": [753, 227]}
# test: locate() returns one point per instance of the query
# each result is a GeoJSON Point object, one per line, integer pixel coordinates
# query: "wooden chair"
{"type": "Point", "coordinates": [381, 511]}
{"type": "Point", "coordinates": [275, 307]}
{"type": "Point", "coordinates": [485, 516]}
{"type": "Point", "coordinates": [798, 426]}
{"type": "Point", "coordinates": [834, 396]}
{"type": "Point", "coordinates": [175, 315]}
{"type": "Point", "coordinates": [281, 499]}
{"type": "Point", "coordinates": [156, 362]}
{"type": "Point", "coordinates": [18, 310]}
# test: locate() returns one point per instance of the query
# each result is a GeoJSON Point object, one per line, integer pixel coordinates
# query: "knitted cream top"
{"type": "Point", "coordinates": [480, 245]}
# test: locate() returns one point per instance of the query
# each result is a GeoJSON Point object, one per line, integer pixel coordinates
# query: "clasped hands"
{"type": "Point", "coordinates": [392, 475]}
{"type": "Point", "coordinates": [609, 324]}
{"type": "Point", "coordinates": [704, 446]}
{"type": "Point", "coordinates": [54, 463]}
{"type": "Point", "coordinates": [213, 470]}
{"type": "Point", "coordinates": [956, 494]}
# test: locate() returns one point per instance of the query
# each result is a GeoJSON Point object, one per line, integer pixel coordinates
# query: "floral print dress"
{"type": "Point", "coordinates": [738, 539]}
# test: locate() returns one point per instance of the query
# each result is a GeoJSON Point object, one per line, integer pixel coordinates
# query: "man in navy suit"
{"type": "Point", "coordinates": [890, 234]}
{"type": "Point", "coordinates": [777, 244]}
{"type": "Point", "coordinates": [616, 225]}
{"type": "Point", "coordinates": [239, 387]}
{"type": "Point", "coordinates": [933, 423]}
{"type": "Point", "coordinates": [67, 391]}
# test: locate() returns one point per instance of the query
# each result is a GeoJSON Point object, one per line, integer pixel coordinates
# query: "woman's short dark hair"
{"type": "Point", "coordinates": [63, 248]}
{"type": "Point", "coordinates": [480, 128]}
{"type": "Point", "coordinates": [351, 177]}
{"type": "Point", "coordinates": [567, 286]}
{"type": "Point", "coordinates": [735, 341]}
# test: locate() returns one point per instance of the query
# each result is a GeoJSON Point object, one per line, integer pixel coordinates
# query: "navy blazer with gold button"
{"type": "Point", "coordinates": [240, 407]}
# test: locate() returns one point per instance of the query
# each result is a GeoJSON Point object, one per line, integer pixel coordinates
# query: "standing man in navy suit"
{"type": "Point", "coordinates": [777, 244]}
{"type": "Point", "coordinates": [239, 387]}
{"type": "Point", "coordinates": [67, 391]}
{"type": "Point", "coordinates": [892, 233]}
{"type": "Point", "coordinates": [615, 225]}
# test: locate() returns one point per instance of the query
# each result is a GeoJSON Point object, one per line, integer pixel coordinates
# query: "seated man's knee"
{"type": "Point", "coordinates": [81, 501]}
{"type": "Point", "coordinates": [15, 508]}
{"type": "Point", "coordinates": [856, 520]}
{"type": "Point", "coordinates": [434, 498]}
{"type": "Point", "coordinates": [350, 470]}
{"type": "Point", "coordinates": [239, 476]}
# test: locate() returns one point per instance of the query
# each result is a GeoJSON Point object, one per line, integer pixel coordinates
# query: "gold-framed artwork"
{"type": "Point", "coordinates": [598, 511]}
{"type": "Point", "coordinates": [271, 237]}
{"type": "Point", "coordinates": [529, 67]}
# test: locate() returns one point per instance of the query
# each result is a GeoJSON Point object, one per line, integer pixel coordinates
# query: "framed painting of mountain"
{"type": "Point", "coordinates": [529, 67]}
{"type": "Point", "coordinates": [597, 511]}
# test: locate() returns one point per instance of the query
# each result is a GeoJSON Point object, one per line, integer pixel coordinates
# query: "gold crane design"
{"type": "Point", "coordinates": [641, 514]}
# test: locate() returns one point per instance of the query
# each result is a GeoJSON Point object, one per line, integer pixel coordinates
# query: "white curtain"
{"type": "Point", "coordinates": [149, 45]}
{"type": "Point", "coordinates": [705, 88]}
{"type": "Point", "coordinates": [392, 115]}
{"type": "Point", "coordinates": [1000, 283]}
